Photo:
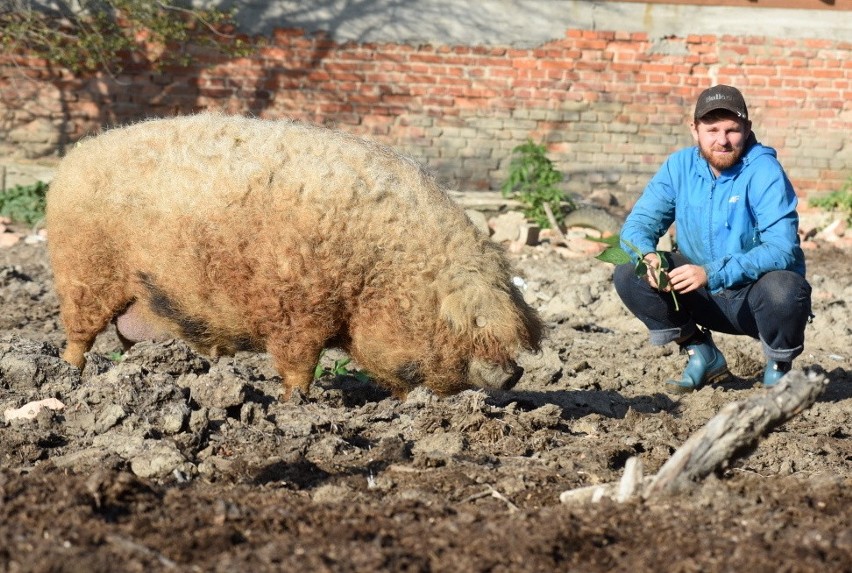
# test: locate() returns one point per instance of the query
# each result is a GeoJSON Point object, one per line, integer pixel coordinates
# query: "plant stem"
{"type": "Point", "coordinates": [674, 298]}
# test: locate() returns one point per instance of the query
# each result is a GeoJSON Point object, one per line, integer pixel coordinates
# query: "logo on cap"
{"type": "Point", "coordinates": [721, 97]}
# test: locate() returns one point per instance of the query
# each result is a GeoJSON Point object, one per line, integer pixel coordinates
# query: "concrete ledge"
{"type": "Point", "coordinates": [526, 23]}
{"type": "Point", "coordinates": [25, 172]}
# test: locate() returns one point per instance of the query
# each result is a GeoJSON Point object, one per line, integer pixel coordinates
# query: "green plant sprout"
{"type": "Point", "coordinates": [339, 368]}
{"type": "Point", "coordinates": [840, 200]}
{"type": "Point", "coordinates": [24, 203]}
{"type": "Point", "coordinates": [616, 255]}
{"type": "Point", "coordinates": [533, 181]}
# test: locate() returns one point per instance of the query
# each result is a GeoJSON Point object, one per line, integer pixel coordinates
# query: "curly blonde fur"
{"type": "Point", "coordinates": [237, 233]}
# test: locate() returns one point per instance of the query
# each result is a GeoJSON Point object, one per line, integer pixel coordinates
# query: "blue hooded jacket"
{"type": "Point", "coordinates": [738, 226]}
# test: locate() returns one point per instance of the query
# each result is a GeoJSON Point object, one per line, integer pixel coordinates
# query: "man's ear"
{"type": "Point", "coordinates": [693, 129]}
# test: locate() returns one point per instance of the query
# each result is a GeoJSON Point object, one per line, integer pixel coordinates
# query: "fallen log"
{"type": "Point", "coordinates": [730, 432]}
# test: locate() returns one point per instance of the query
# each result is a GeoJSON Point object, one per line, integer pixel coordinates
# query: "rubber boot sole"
{"type": "Point", "coordinates": [713, 377]}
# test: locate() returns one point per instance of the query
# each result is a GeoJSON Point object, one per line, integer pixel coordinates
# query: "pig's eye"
{"type": "Point", "coordinates": [480, 321]}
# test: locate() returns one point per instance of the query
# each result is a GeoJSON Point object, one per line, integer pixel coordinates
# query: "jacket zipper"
{"type": "Point", "coordinates": [710, 248]}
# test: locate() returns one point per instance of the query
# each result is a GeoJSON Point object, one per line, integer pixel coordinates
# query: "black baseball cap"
{"type": "Point", "coordinates": [721, 97]}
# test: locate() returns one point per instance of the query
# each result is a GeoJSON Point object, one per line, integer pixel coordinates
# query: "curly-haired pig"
{"type": "Point", "coordinates": [245, 234]}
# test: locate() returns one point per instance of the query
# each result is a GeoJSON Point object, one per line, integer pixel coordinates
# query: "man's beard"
{"type": "Point", "coordinates": [720, 163]}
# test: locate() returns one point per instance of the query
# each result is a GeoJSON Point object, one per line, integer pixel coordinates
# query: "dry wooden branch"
{"type": "Point", "coordinates": [554, 224]}
{"type": "Point", "coordinates": [495, 494]}
{"type": "Point", "coordinates": [736, 427]}
{"type": "Point", "coordinates": [630, 484]}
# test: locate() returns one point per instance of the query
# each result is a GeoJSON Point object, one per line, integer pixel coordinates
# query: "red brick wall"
{"type": "Point", "coordinates": [610, 105]}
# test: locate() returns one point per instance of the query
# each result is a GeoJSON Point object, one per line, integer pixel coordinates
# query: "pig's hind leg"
{"type": "Point", "coordinates": [84, 315]}
{"type": "Point", "coordinates": [91, 292]}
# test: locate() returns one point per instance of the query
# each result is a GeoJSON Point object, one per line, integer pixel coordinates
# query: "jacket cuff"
{"type": "Point", "coordinates": [714, 277]}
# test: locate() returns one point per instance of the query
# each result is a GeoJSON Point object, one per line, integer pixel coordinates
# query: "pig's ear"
{"type": "Point", "coordinates": [469, 308]}
{"type": "Point", "coordinates": [455, 310]}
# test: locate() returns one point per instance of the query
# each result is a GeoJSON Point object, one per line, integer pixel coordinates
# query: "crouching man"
{"type": "Point", "coordinates": [738, 267]}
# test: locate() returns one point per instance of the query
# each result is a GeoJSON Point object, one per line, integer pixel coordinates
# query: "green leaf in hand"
{"type": "Point", "coordinates": [613, 255]}
{"type": "Point", "coordinates": [616, 255]}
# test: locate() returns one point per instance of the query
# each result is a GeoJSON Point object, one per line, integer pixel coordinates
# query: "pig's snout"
{"type": "Point", "coordinates": [488, 375]}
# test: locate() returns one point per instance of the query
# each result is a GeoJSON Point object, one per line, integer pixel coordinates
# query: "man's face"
{"type": "Point", "coordinates": [721, 140]}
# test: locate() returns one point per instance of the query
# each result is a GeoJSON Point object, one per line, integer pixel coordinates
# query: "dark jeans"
{"type": "Point", "coordinates": [775, 309]}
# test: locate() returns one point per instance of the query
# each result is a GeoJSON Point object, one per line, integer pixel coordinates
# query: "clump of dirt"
{"type": "Point", "coordinates": [165, 459]}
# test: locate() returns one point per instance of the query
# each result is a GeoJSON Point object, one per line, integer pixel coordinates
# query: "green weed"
{"type": "Point", "coordinates": [86, 36]}
{"type": "Point", "coordinates": [840, 200]}
{"type": "Point", "coordinates": [24, 203]}
{"type": "Point", "coordinates": [533, 180]}
{"type": "Point", "coordinates": [339, 368]}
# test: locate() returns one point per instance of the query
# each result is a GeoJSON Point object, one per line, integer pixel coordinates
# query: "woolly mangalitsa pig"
{"type": "Point", "coordinates": [243, 234]}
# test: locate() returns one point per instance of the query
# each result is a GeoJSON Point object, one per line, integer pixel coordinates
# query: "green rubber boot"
{"type": "Point", "coordinates": [705, 366]}
{"type": "Point", "coordinates": [774, 372]}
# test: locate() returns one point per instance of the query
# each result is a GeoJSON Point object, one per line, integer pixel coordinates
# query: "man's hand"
{"type": "Point", "coordinates": [687, 278]}
{"type": "Point", "coordinates": [683, 279]}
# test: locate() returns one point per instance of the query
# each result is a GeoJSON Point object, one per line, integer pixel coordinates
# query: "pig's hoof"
{"type": "Point", "coordinates": [294, 396]}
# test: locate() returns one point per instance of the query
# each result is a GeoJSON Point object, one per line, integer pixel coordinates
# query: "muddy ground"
{"type": "Point", "coordinates": [164, 459]}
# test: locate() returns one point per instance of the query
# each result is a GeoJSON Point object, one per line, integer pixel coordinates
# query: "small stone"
{"type": "Point", "coordinates": [9, 239]}
{"type": "Point", "coordinates": [834, 231]}
{"type": "Point", "coordinates": [528, 234]}
{"type": "Point", "coordinates": [34, 239]}
{"type": "Point", "coordinates": [585, 246]}
{"type": "Point", "coordinates": [108, 418]}
{"type": "Point", "coordinates": [157, 460]}
{"type": "Point", "coordinates": [30, 411]}
{"type": "Point", "coordinates": [507, 226]}
{"type": "Point", "coordinates": [331, 494]}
